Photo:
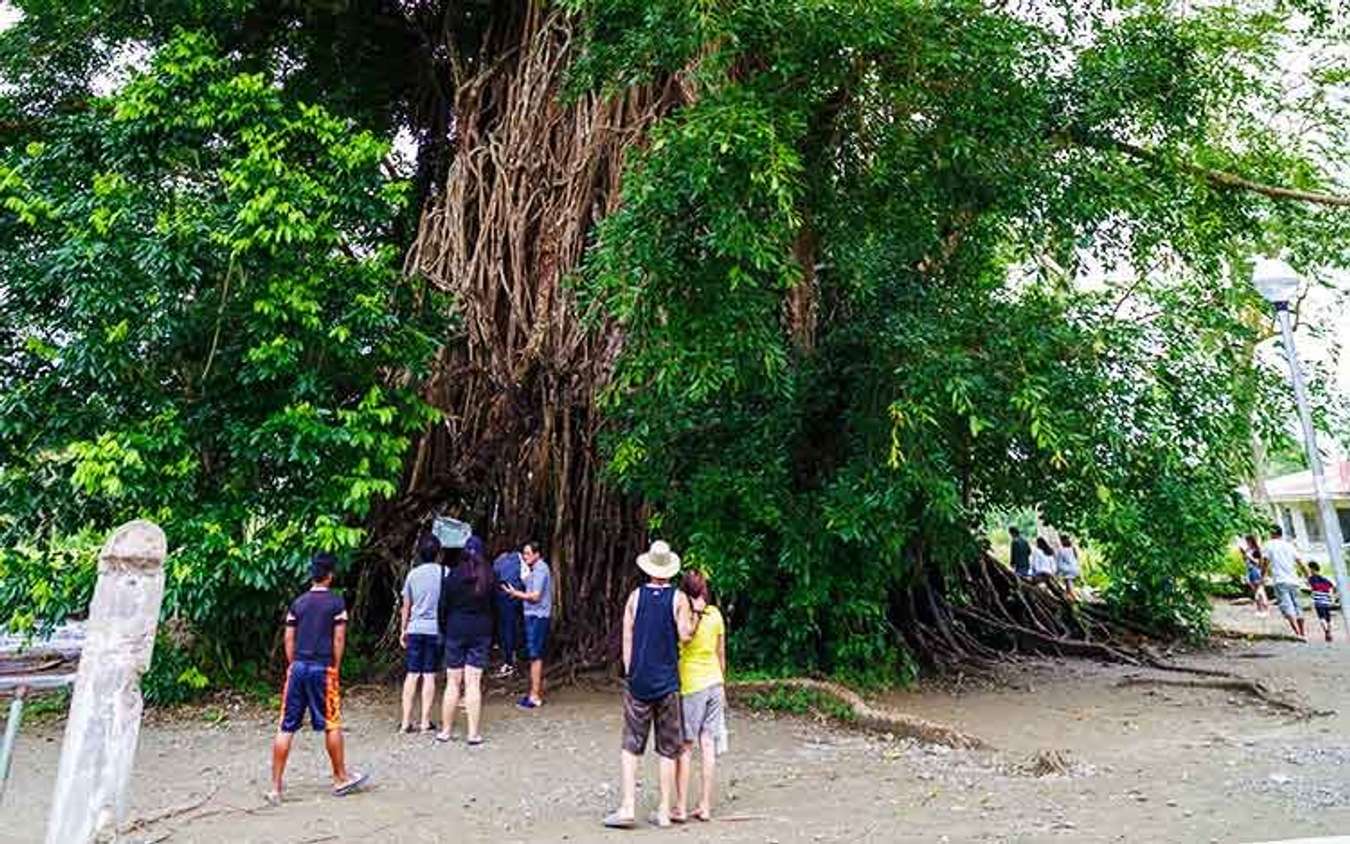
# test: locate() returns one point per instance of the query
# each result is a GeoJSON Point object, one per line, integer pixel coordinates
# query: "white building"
{"type": "Point", "coordinates": [1295, 505]}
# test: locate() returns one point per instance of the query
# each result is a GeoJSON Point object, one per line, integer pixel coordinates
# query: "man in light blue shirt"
{"type": "Point", "coordinates": [537, 597]}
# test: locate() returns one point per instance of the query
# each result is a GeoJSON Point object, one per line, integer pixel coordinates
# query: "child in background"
{"type": "Point", "coordinates": [1323, 593]}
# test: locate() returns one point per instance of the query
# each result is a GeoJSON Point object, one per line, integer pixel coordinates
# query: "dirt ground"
{"type": "Point", "coordinates": [1146, 764]}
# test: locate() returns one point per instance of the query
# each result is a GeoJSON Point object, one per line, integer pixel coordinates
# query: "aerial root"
{"type": "Point", "coordinates": [1253, 688]}
{"type": "Point", "coordinates": [867, 716]}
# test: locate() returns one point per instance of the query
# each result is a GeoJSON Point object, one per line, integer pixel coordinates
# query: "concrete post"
{"type": "Point", "coordinates": [104, 723]}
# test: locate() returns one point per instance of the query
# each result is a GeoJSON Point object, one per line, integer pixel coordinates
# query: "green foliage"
{"type": "Point", "coordinates": [204, 324]}
{"type": "Point", "coordinates": [898, 265]}
{"type": "Point", "coordinates": [801, 702]}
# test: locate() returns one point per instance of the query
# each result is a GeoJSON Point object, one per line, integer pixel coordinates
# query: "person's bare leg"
{"type": "Point", "coordinates": [708, 756]}
{"type": "Point", "coordinates": [628, 765]}
{"type": "Point", "coordinates": [281, 749]}
{"type": "Point", "coordinates": [683, 768]}
{"type": "Point", "coordinates": [537, 680]}
{"type": "Point", "coordinates": [667, 768]}
{"type": "Point", "coordinates": [332, 742]}
{"type": "Point", "coordinates": [409, 695]}
{"type": "Point", "coordinates": [428, 699]}
{"type": "Point", "coordinates": [473, 695]}
{"type": "Point", "coordinates": [454, 680]}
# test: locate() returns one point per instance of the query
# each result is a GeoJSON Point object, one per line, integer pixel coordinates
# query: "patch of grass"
{"type": "Point", "coordinates": [48, 706]}
{"type": "Point", "coordinates": [802, 702]}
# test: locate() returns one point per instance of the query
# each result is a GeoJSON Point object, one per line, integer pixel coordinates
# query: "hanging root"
{"type": "Point", "coordinates": [1254, 688]}
{"type": "Point", "coordinates": [865, 716]}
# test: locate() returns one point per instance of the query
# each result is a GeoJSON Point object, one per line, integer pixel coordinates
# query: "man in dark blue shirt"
{"type": "Point", "coordinates": [1020, 552]}
{"type": "Point", "coordinates": [316, 635]}
{"type": "Point", "coordinates": [506, 569]}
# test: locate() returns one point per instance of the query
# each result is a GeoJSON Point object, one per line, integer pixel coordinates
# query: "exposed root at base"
{"type": "Point", "coordinates": [869, 717]}
{"type": "Point", "coordinates": [1253, 688]}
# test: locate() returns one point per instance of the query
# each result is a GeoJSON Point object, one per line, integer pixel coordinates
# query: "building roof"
{"type": "Point", "coordinates": [1298, 486]}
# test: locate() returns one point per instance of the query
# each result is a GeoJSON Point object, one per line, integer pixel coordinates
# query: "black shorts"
{"type": "Point", "coordinates": [424, 654]}
{"type": "Point", "coordinates": [467, 650]}
{"type": "Point", "coordinates": [1323, 612]}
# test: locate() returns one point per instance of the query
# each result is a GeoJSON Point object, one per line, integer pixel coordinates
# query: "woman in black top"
{"type": "Point", "coordinates": [466, 626]}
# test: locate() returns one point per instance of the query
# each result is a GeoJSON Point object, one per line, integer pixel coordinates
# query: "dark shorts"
{"type": "Point", "coordinates": [536, 636]}
{"type": "Point", "coordinates": [312, 687]}
{"type": "Point", "coordinates": [664, 716]}
{"type": "Point", "coordinates": [467, 650]}
{"type": "Point", "coordinates": [1323, 612]}
{"type": "Point", "coordinates": [424, 654]}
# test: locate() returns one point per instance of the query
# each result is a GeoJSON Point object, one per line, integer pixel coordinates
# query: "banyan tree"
{"type": "Point", "coordinates": [810, 288]}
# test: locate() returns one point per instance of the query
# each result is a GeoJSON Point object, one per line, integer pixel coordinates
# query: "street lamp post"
{"type": "Point", "coordinates": [1277, 283]}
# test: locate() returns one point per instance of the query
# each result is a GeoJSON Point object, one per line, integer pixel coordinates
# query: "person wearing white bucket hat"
{"type": "Point", "coordinates": [656, 619]}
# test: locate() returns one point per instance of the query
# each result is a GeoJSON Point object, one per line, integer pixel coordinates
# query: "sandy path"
{"type": "Point", "coordinates": [1150, 765]}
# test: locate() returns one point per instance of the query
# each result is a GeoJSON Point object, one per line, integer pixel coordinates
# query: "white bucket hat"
{"type": "Point", "coordinates": [660, 562]}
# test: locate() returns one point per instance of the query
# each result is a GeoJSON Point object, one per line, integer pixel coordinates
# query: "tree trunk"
{"type": "Point", "coordinates": [517, 452]}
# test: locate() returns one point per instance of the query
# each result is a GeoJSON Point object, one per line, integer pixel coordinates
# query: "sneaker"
{"type": "Point", "coordinates": [526, 703]}
{"type": "Point", "coordinates": [506, 671]}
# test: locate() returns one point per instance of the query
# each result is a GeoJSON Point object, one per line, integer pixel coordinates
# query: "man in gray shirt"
{"type": "Point", "coordinates": [537, 599]}
{"type": "Point", "coordinates": [421, 634]}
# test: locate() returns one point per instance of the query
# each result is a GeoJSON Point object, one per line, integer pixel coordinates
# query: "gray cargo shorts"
{"type": "Point", "coordinates": [705, 714]}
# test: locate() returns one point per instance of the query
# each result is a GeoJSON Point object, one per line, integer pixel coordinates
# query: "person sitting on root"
{"type": "Point", "coordinates": [1256, 573]}
{"type": "Point", "coordinates": [467, 607]}
{"type": "Point", "coordinates": [421, 633]}
{"type": "Point", "coordinates": [1066, 563]}
{"type": "Point", "coordinates": [316, 636]}
{"type": "Point", "coordinates": [656, 619]}
{"type": "Point", "coordinates": [1042, 561]}
{"type": "Point", "coordinates": [703, 668]}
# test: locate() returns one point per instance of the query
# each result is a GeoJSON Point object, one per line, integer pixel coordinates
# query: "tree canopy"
{"type": "Point", "coordinates": [205, 324]}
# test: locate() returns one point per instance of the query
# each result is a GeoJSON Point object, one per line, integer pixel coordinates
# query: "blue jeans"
{"type": "Point", "coordinates": [536, 636]}
{"type": "Point", "coordinates": [508, 626]}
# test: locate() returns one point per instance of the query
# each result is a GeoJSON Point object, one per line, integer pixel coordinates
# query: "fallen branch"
{"type": "Point", "coordinates": [1254, 688]}
{"type": "Point", "coordinates": [165, 814]}
{"type": "Point", "coordinates": [1221, 633]}
{"type": "Point", "coordinates": [868, 717]}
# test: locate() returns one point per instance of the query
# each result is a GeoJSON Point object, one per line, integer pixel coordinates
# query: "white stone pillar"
{"type": "Point", "coordinates": [1300, 525]}
{"type": "Point", "coordinates": [89, 801]}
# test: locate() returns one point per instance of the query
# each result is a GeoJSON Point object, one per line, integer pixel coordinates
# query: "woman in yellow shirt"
{"type": "Point", "coordinates": [703, 665]}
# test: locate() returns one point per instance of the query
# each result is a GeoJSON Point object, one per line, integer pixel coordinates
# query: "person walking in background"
{"type": "Point", "coordinates": [1283, 561]}
{"type": "Point", "coordinates": [656, 619]}
{"type": "Point", "coordinates": [1042, 561]}
{"type": "Point", "coordinates": [316, 635]}
{"type": "Point", "coordinates": [1323, 595]}
{"type": "Point", "coordinates": [507, 571]}
{"type": "Point", "coordinates": [1256, 573]}
{"type": "Point", "coordinates": [420, 632]}
{"type": "Point", "coordinates": [537, 608]}
{"type": "Point", "coordinates": [467, 607]}
{"type": "Point", "coordinates": [703, 669]}
{"type": "Point", "coordinates": [1019, 553]}
{"type": "Point", "coordinates": [1066, 563]}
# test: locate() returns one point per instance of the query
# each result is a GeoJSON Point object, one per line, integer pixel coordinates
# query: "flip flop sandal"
{"type": "Point", "coordinates": [429, 728]}
{"type": "Point", "coordinates": [406, 731]}
{"type": "Point", "coordinates": [655, 819]}
{"type": "Point", "coordinates": [614, 820]}
{"type": "Point", "coordinates": [442, 738]}
{"type": "Point", "coordinates": [678, 819]}
{"type": "Point", "coordinates": [700, 816]}
{"type": "Point", "coordinates": [474, 742]}
{"type": "Point", "coordinates": [351, 785]}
